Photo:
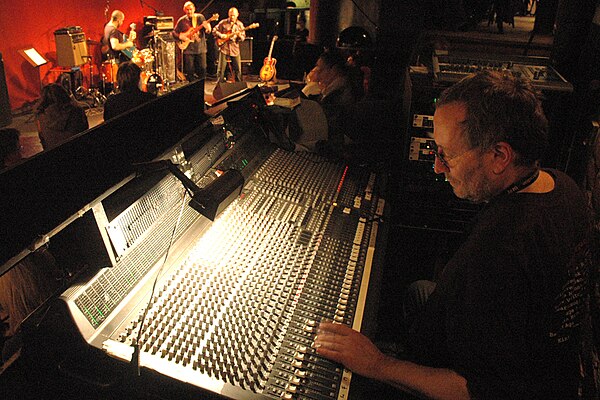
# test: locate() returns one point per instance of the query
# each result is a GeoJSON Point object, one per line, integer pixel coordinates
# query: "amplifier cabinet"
{"type": "Point", "coordinates": [71, 49]}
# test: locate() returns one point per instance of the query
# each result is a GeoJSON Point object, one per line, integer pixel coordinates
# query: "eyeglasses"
{"type": "Point", "coordinates": [444, 160]}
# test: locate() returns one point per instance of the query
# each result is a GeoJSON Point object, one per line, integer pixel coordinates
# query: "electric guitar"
{"type": "Point", "coordinates": [187, 37]}
{"type": "Point", "coordinates": [128, 52]}
{"type": "Point", "coordinates": [268, 71]}
{"type": "Point", "coordinates": [230, 34]}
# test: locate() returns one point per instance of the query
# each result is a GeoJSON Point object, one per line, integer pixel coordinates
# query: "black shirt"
{"type": "Point", "coordinates": [507, 310]}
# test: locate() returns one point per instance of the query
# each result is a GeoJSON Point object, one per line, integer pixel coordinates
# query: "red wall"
{"type": "Point", "coordinates": [25, 24]}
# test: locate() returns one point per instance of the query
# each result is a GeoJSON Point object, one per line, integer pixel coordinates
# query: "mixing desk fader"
{"type": "Point", "coordinates": [237, 312]}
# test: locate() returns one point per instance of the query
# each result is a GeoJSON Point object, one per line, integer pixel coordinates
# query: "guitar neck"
{"type": "Point", "coordinates": [271, 48]}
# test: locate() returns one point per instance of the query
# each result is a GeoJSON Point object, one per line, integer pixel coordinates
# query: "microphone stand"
{"type": "Point", "coordinates": [156, 11]}
{"type": "Point", "coordinates": [365, 15]}
{"type": "Point", "coordinates": [206, 6]}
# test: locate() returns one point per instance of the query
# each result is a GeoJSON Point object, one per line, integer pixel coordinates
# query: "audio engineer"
{"type": "Point", "coordinates": [506, 317]}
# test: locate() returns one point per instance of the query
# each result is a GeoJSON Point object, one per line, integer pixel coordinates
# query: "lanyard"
{"type": "Point", "coordinates": [522, 183]}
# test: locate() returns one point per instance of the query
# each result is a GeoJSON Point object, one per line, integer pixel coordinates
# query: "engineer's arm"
{"type": "Point", "coordinates": [357, 353]}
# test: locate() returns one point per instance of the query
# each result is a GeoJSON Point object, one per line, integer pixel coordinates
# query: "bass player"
{"type": "Point", "coordinates": [114, 42]}
{"type": "Point", "coordinates": [229, 33]}
{"type": "Point", "coordinates": [190, 32]}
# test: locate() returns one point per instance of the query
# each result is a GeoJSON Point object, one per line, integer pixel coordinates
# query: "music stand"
{"type": "Point", "coordinates": [35, 59]}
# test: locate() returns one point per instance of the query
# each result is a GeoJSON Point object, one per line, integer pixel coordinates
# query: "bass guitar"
{"type": "Point", "coordinates": [268, 71]}
{"type": "Point", "coordinates": [128, 52]}
{"type": "Point", "coordinates": [230, 34]}
{"type": "Point", "coordinates": [187, 37]}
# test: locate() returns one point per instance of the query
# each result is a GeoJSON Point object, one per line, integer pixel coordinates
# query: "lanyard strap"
{"type": "Point", "coordinates": [522, 183]}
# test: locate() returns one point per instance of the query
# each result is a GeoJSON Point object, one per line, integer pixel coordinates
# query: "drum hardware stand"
{"type": "Point", "coordinates": [160, 62]}
{"type": "Point", "coordinates": [112, 90]}
{"type": "Point", "coordinates": [98, 98]}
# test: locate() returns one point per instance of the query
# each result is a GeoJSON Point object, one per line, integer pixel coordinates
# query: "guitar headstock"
{"type": "Point", "coordinates": [253, 26]}
{"type": "Point", "coordinates": [132, 34]}
{"type": "Point", "coordinates": [214, 17]}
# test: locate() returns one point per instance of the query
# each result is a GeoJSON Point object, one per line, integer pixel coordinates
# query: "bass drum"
{"type": "Point", "coordinates": [109, 71]}
{"type": "Point", "coordinates": [151, 82]}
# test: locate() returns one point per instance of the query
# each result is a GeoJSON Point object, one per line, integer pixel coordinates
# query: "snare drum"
{"type": "Point", "coordinates": [151, 82]}
{"type": "Point", "coordinates": [109, 71]}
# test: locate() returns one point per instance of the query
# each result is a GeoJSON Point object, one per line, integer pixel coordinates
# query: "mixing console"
{"type": "Point", "coordinates": [453, 67]}
{"type": "Point", "coordinates": [237, 313]}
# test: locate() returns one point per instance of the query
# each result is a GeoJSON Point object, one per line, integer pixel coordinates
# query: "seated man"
{"type": "Point", "coordinates": [337, 92]}
{"type": "Point", "coordinates": [130, 95]}
{"type": "Point", "coordinates": [505, 318]}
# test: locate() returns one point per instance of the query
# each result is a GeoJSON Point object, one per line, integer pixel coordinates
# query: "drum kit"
{"type": "Point", "coordinates": [152, 81]}
{"type": "Point", "coordinates": [150, 61]}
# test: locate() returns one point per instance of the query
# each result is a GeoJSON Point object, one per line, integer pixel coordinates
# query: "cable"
{"type": "Point", "coordinates": [135, 358]}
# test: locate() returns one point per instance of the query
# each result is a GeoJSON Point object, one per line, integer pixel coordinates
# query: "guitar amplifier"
{"type": "Point", "coordinates": [246, 50]}
{"type": "Point", "coordinates": [160, 23]}
{"type": "Point", "coordinates": [71, 48]}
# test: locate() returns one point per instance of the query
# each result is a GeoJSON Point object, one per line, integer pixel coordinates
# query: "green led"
{"type": "Point", "coordinates": [90, 314]}
{"type": "Point", "coordinates": [100, 312]}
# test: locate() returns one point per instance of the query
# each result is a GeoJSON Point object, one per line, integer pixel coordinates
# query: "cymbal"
{"type": "Point", "coordinates": [90, 41]}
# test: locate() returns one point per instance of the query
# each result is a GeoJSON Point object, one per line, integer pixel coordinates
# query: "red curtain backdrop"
{"type": "Point", "coordinates": [25, 24]}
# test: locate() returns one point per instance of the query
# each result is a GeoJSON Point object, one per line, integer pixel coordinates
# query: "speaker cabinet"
{"type": "Point", "coordinates": [224, 89]}
{"type": "Point", "coordinates": [5, 114]}
{"type": "Point", "coordinates": [246, 50]}
{"type": "Point", "coordinates": [71, 49]}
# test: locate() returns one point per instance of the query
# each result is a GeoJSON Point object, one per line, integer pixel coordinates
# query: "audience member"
{"type": "Point", "coordinates": [357, 61]}
{"type": "Point", "coordinates": [338, 93]}
{"type": "Point", "coordinates": [58, 117]}
{"type": "Point", "coordinates": [10, 148]}
{"type": "Point", "coordinates": [129, 93]}
{"type": "Point", "coordinates": [23, 288]}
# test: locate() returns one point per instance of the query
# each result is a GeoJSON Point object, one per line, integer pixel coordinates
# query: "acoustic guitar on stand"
{"type": "Point", "coordinates": [268, 71]}
{"type": "Point", "coordinates": [231, 34]}
{"type": "Point", "coordinates": [187, 37]}
{"type": "Point", "coordinates": [132, 35]}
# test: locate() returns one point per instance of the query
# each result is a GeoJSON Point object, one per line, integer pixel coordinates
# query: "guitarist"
{"type": "Point", "coordinates": [191, 30]}
{"type": "Point", "coordinates": [113, 40]}
{"type": "Point", "coordinates": [231, 31]}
